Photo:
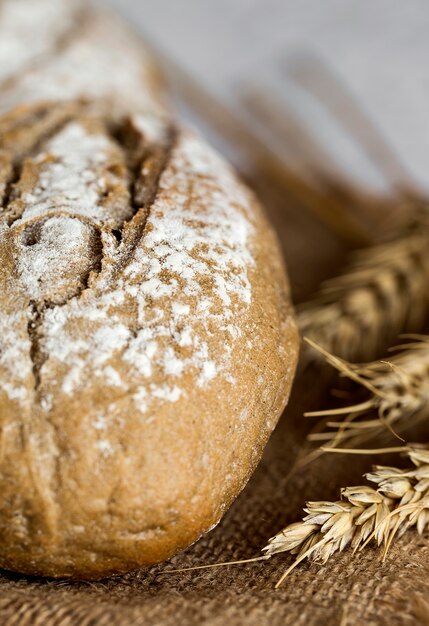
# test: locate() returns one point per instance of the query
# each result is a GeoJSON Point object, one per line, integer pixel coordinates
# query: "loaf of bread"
{"type": "Point", "coordinates": [147, 343]}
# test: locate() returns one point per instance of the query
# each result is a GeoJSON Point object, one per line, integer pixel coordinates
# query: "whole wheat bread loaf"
{"type": "Point", "coordinates": [147, 343]}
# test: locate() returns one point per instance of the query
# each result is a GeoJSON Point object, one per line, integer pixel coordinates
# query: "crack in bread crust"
{"type": "Point", "coordinates": [27, 135]}
{"type": "Point", "coordinates": [144, 191]}
{"type": "Point", "coordinates": [36, 355]}
{"type": "Point", "coordinates": [22, 136]}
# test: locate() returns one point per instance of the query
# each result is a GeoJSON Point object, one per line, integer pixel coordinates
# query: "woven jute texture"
{"type": "Point", "coordinates": [347, 591]}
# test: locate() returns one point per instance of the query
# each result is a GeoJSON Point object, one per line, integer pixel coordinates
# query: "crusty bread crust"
{"type": "Point", "coordinates": [147, 342]}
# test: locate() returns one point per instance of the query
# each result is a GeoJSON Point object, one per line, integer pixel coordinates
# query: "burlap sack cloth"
{"type": "Point", "coordinates": [347, 591]}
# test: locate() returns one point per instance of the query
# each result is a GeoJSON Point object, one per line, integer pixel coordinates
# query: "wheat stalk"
{"type": "Point", "coordinates": [382, 294]}
{"type": "Point", "coordinates": [400, 501]}
{"type": "Point", "coordinates": [398, 396]}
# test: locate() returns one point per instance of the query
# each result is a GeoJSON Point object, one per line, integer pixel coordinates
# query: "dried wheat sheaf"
{"type": "Point", "coordinates": [400, 501]}
{"type": "Point", "coordinates": [398, 395]}
{"type": "Point", "coordinates": [382, 294]}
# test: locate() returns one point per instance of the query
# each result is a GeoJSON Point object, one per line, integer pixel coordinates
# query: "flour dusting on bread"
{"type": "Point", "coordinates": [187, 278]}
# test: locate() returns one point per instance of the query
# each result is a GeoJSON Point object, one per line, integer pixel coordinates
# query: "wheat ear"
{"type": "Point", "coordinates": [400, 501]}
{"type": "Point", "coordinates": [398, 395]}
{"type": "Point", "coordinates": [382, 294]}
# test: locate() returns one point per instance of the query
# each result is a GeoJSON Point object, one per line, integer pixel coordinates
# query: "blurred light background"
{"type": "Point", "coordinates": [378, 48]}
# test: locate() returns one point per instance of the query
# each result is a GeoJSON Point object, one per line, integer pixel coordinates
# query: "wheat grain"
{"type": "Point", "coordinates": [400, 501]}
{"type": "Point", "coordinates": [398, 395]}
{"type": "Point", "coordinates": [383, 293]}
